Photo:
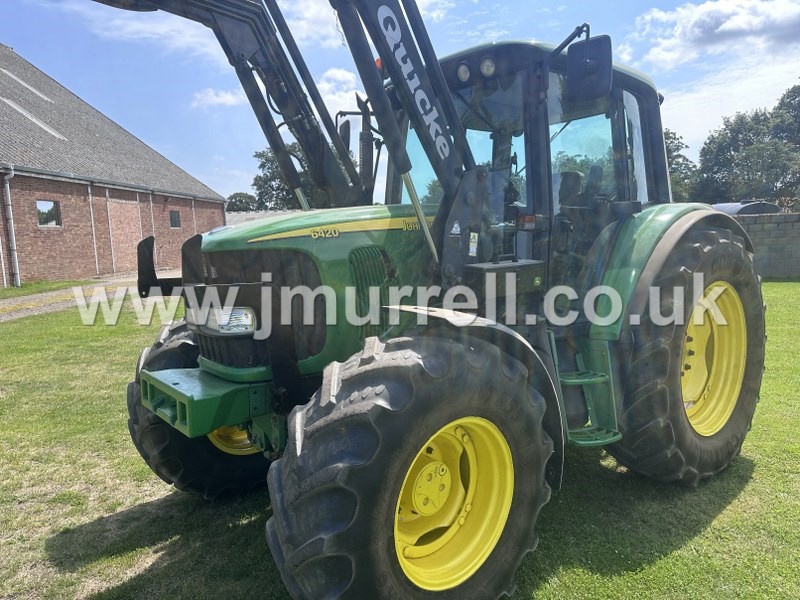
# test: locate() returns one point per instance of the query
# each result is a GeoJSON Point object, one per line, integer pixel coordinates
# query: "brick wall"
{"type": "Point", "coordinates": [776, 240]}
{"type": "Point", "coordinates": [121, 216]}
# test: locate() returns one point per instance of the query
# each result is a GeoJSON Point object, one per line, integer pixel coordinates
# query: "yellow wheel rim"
{"type": "Point", "coordinates": [713, 358]}
{"type": "Point", "coordinates": [454, 504]}
{"type": "Point", "coordinates": [232, 440]}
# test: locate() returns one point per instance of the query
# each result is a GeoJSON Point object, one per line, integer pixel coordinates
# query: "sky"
{"type": "Point", "coordinates": [167, 81]}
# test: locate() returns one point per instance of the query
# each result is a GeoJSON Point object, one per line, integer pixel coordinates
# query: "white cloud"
{"type": "Point", "coordinates": [172, 33]}
{"type": "Point", "coordinates": [718, 26]}
{"type": "Point", "coordinates": [435, 10]}
{"type": "Point", "coordinates": [720, 57]}
{"type": "Point", "coordinates": [487, 31]}
{"type": "Point", "coordinates": [697, 107]}
{"type": "Point", "coordinates": [312, 22]}
{"type": "Point", "coordinates": [210, 97]}
{"type": "Point", "coordinates": [624, 53]}
{"type": "Point", "coordinates": [338, 88]}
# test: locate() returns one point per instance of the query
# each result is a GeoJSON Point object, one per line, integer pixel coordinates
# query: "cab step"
{"type": "Point", "coordinates": [590, 435]}
{"type": "Point", "coordinates": [582, 378]}
{"type": "Point", "coordinates": [601, 428]}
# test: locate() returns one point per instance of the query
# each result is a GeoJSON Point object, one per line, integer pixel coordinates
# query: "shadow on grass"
{"type": "Point", "coordinates": [603, 520]}
{"type": "Point", "coordinates": [202, 549]}
{"type": "Point", "coordinates": [611, 522]}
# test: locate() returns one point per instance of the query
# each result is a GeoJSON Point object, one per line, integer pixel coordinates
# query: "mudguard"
{"type": "Point", "coordinates": [538, 363]}
{"type": "Point", "coordinates": [641, 248]}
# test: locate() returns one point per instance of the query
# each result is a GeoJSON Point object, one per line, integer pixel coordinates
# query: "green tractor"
{"type": "Point", "coordinates": [406, 373]}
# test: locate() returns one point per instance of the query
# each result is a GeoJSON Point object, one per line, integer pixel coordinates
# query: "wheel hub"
{"type": "Point", "coordinates": [432, 488]}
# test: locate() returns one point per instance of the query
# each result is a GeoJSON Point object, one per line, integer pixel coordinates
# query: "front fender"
{"type": "Point", "coordinates": [537, 359]}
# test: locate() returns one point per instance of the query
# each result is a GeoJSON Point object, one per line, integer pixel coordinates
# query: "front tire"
{"type": "Point", "coordinates": [224, 462]}
{"type": "Point", "coordinates": [693, 384]}
{"type": "Point", "coordinates": [416, 471]}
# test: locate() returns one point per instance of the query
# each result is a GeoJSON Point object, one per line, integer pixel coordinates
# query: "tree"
{"type": "Point", "coordinates": [786, 117]}
{"type": "Point", "coordinates": [682, 171]}
{"type": "Point", "coordinates": [786, 128]}
{"type": "Point", "coordinates": [754, 155]}
{"type": "Point", "coordinates": [272, 193]}
{"type": "Point", "coordinates": [241, 202]}
{"type": "Point", "coordinates": [433, 192]}
{"type": "Point", "coordinates": [743, 160]}
{"type": "Point", "coordinates": [766, 169]}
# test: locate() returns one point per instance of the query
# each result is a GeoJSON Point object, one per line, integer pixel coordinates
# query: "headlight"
{"type": "Point", "coordinates": [487, 67]}
{"type": "Point", "coordinates": [234, 321]}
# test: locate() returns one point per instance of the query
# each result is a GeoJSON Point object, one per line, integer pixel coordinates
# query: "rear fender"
{"type": "Point", "coordinates": [641, 249]}
{"type": "Point", "coordinates": [537, 360]}
{"type": "Point", "coordinates": [665, 246]}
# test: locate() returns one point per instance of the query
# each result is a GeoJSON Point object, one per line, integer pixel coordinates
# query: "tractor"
{"type": "Point", "coordinates": [405, 363]}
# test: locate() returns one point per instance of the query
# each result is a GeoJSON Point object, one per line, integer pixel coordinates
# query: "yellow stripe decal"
{"type": "Point", "coordinates": [336, 229]}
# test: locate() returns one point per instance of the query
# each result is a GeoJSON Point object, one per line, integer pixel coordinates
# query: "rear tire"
{"type": "Point", "coordinates": [372, 498]}
{"type": "Point", "coordinates": [222, 463]}
{"type": "Point", "coordinates": [692, 387]}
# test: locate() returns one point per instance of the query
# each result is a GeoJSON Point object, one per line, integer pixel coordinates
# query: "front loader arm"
{"type": "Point", "coordinates": [249, 35]}
{"type": "Point", "coordinates": [250, 32]}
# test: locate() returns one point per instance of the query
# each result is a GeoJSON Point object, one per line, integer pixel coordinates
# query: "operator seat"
{"type": "Point", "coordinates": [594, 180]}
{"type": "Point", "coordinates": [570, 184]}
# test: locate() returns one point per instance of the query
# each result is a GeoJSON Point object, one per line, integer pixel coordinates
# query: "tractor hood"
{"type": "Point", "coordinates": [314, 225]}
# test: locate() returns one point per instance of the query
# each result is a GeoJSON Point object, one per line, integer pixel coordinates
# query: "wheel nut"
{"type": "Point", "coordinates": [407, 551]}
{"type": "Point", "coordinates": [461, 521]}
{"type": "Point", "coordinates": [687, 367]}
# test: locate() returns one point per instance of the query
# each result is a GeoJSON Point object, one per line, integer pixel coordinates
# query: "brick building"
{"type": "Point", "coordinates": [79, 192]}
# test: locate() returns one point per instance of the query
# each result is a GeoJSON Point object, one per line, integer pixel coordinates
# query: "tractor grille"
{"type": "Point", "coordinates": [372, 269]}
{"type": "Point", "coordinates": [239, 352]}
{"type": "Point", "coordinates": [285, 268]}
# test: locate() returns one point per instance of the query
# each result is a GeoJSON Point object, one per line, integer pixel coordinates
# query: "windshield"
{"type": "Point", "coordinates": [493, 116]}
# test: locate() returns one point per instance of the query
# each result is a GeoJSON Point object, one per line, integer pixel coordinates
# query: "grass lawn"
{"type": "Point", "coordinates": [82, 516]}
{"type": "Point", "coordinates": [37, 287]}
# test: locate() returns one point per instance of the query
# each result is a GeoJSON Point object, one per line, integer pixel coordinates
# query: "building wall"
{"type": "Point", "coordinates": [121, 218]}
{"type": "Point", "coordinates": [776, 241]}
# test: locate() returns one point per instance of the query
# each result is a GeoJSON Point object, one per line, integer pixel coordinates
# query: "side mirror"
{"type": "Point", "coordinates": [344, 133]}
{"type": "Point", "coordinates": [589, 69]}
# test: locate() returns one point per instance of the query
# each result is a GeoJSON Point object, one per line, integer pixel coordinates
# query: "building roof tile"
{"type": "Point", "coordinates": [45, 127]}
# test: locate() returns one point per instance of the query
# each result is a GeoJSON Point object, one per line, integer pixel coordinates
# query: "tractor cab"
{"type": "Point", "coordinates": [563, 167]}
